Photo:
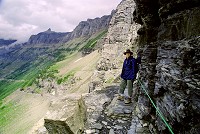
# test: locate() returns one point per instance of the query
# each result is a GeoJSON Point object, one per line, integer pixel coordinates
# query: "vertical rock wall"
{"type": "Point", "coordinates": [170, 40]}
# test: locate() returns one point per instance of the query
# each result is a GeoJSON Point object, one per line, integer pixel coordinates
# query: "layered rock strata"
{"type": "Point", "coordinates": [169, 38]}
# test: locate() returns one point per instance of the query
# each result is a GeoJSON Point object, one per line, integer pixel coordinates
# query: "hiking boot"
{"type": "Point", "coordinates": [120, 97]}
{"type": "Point", "coordinates": [127, 101]}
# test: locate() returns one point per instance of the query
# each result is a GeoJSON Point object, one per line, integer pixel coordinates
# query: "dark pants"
{"type": "Point", "coordinates": [129, 84]}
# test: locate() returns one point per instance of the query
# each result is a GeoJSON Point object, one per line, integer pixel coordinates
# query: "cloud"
{"type": "Point", "coordinates": [21, 18]}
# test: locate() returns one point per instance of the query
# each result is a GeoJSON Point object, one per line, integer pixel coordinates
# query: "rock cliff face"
{"type": "Point", "coordinates": [91, 26]}
{"type": "Point", "coordinates": [170, 40]}
{"type": "Point", "coordinates": [122, 32]}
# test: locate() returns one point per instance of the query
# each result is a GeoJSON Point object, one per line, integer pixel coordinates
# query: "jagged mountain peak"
{"type": "Point", "coordinates": [47, 37]}
{"type": "Point", "coordinates": [49, 29]}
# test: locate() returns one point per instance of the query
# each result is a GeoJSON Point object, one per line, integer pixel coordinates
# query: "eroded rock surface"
{"type": "Point", "coordinates": [169, 38]}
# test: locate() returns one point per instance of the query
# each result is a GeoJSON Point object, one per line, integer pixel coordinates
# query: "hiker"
{"type": "Point", "coordinates": [128, 75]}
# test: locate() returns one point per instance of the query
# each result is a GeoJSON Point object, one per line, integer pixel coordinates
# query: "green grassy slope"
{"type": "Point", "coordinates": [22, 74]}
{"type": "Point", "coordinates": [8, 112]}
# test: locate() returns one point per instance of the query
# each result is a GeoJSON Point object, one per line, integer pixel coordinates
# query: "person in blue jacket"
{"type": "Point", "coordinates": [128, 75]}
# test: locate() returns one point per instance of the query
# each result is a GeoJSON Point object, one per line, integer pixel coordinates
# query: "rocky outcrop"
{"type": "Point", "coordinates": [67, 114]}
{"type": "Point", "coordinates": [122, 32]}
{"type": "Point", "coordinates": [176, 88]}
{"type": "Point", "coordinates": [169, 38]}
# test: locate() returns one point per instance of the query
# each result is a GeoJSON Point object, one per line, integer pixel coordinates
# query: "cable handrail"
{"type": "Point", "coordinates": [158, 111]}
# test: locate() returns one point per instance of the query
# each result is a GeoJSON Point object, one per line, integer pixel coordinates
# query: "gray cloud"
{"type": "Point", "coordinates": [21, 18]}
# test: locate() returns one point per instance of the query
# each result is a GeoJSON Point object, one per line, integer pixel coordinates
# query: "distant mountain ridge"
{"type": "Point", "coordinates": [47, 37]}
{"type": "Point", "coordinates": [4, 42]}
{"type": "Point", "coordinates": [91, 26]}
{"type": "Point", "coordinates": [84, 29]}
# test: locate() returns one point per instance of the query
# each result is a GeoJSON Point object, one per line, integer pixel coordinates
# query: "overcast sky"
{"type": "Point", "coordinates": [21, 18]}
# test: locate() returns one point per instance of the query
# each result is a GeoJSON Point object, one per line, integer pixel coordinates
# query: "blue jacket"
{"type": "Point", "coordinates": [129, 70]}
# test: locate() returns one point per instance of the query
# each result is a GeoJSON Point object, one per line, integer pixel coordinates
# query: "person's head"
{"type": "Point", "coordinates": [128, 53]}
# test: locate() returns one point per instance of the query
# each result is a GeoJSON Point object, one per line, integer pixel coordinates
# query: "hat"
{"type": "Point", "coordinates": [128, 51]}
